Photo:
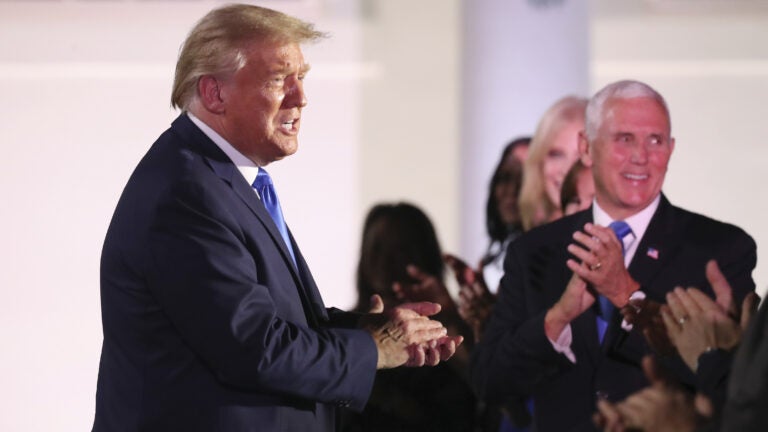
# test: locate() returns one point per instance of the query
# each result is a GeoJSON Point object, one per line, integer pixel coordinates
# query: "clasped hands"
{"type": "Point", "coordinates": [692, 323]}
{"type": "Point", "coordinates": [404, 335]}
{"type": "Point", "coordinates": [597, 270]}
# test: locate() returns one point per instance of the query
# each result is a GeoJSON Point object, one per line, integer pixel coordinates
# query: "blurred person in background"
{"type": "Point", "coordinates": [477, 286]}
{"type": "Point", "coordinates": [553, 149]}
{"type": "Point", "coordinates": [578, 189]}
{"type": "Point", "coordinates": [401, 260]}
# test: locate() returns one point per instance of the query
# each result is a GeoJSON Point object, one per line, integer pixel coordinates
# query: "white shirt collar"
{"type": "Point", "coordinates": [247, 167]}
{"type": "Point", "coordinates": [638, 222]}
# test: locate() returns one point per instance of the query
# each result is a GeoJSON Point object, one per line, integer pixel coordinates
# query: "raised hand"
{"type": "Point", "coordinates": [601, 263]}
{"type": "Point", "coordinates": [645, 315]}
{"type": "Point", "coordinates": [724, 296]}
{"type": "Point", "coordinates": [426, 287]}
{"type": "Point", "coordinates": [575, 300]}
{"type": "Point", "coordinates": [405, 336]}
{"type": "Point", "coordinates": [696, 323]}
{"type": "Point", "coordinates": [475, 300]}
{"type": "Point", "coordinates": [661, 407]}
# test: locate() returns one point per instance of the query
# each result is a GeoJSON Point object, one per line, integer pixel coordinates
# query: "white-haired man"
{"type": "Point", "coordinates": [555, 334]}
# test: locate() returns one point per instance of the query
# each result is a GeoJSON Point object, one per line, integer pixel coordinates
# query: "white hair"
{"type": "Point", "coordinates": [626, 89]}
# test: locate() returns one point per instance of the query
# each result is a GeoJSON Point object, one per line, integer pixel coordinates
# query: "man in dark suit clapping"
{"type": "Point", "coordinates": [211, 317]}
{"type": "Point", "coordinates": [555, 334]}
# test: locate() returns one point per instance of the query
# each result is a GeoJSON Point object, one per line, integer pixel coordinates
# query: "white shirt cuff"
{"type": "Point", "coordinates": [563, 344]}
{"type": "Point", "coordinates": [637, 295]}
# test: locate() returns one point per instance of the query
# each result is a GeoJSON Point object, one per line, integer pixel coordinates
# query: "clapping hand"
{"type": "Point", "coordinates": [475, 300]}
{"type": "Point", "coordinates": [645, 315]}
{"type": "Point", "coordinates": [405, 335]}
{"type": "Point", "coordinates": [601, 263]}
{"type": "Point", "coordinates": [660, 407]}
{"type": "Point", "coordinates": [696, 323]}
{"type": "Point", "coordinates": [426, 287]}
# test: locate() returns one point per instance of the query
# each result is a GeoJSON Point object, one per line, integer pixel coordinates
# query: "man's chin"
{"type": "Point", "coordinates": [284, 150]}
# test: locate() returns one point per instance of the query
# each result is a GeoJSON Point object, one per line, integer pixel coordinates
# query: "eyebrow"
{"type": "Point", "coordinates": [286, 67]}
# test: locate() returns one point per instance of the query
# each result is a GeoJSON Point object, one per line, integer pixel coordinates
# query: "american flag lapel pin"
{"type": "Point", "coordinates": [653, 253]}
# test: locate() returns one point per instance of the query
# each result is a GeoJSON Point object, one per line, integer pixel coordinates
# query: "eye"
{"type": "Point", "coordinates": [555, 154]}
{"type": "Point", "coordinates": [656, 140]}
{"type": "Point", "coordinates": [624, 138]}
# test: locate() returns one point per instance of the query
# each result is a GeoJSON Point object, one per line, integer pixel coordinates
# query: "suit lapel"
{"type": "Point", "coordinates": [223, 167]}
{"type": "Point", "coordinates": [584, 327]}
{"type": "Point", "coordinates": [658, 245]}
{"type": "Point", "coordinates": [245, 192]}
{"type": "Point", "coordinates": [315, 300]}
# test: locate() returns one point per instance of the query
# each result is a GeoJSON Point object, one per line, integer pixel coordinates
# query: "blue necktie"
{"type": "Point", "coordinates": [621, 229]}
{"type": "Point", "coordinates": [263, 184]}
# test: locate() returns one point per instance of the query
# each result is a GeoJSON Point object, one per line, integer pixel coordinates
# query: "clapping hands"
{"type": "Point", "coordinates": [404, 335]}
{"type": "Point", "coordinates": [475, 300]}
{"type": "Point", "coordinates": [696, 323]}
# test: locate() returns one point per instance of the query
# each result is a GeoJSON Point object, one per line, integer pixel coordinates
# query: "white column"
{"type": "Point", "coordinates": [519, 57]}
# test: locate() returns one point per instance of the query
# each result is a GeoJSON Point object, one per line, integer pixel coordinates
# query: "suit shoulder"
{"type": "Point", "coordinates": [546, 245]}
{"type": "Point", "coordinates": [700, 223]}
{"type": "Point", "coordinates": [559, 231]}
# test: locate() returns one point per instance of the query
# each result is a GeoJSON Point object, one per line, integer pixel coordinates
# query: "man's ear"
{"type": "Point", "coordinates": [209, 90]}
{"type": "Point", "coordinates": [585, 150]}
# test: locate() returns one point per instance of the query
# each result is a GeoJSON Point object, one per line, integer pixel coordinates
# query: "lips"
{"type": "Point", "coordinates": [635, 177]}
{"type": "Point", "coordinates": [290, 126]}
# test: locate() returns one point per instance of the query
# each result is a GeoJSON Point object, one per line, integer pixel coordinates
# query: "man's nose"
{"type": "Point", "coordinates": [639, 153]}
{"type": "Point", "coordinates": [295, 96]}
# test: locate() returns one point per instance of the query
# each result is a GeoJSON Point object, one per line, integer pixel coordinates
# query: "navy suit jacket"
{"type": "Point", "coordinates": [747, 399]}
{"type": "Point", "coordinates": [515, 358]}
{"type": "Point", "coordinates": [208, 325]}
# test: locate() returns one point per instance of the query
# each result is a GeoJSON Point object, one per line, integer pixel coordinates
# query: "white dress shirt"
{"type": "Point", "coordinates": [247, 167]}
{"type": "Point", "coordinates": [639, 224]}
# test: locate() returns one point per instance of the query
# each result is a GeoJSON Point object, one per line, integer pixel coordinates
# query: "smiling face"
{"type": "Point", "coordinates": [629, 155]}
{"type": "Point", "coordinates": [563, 152]}
{"type": "Point", "coordinates": [262, 102]}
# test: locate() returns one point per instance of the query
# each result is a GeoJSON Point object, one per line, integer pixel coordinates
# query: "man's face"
{"type": "Point", "coordinates": [630, 154]}
{"type": "Point", "coordinates": [263, 102]}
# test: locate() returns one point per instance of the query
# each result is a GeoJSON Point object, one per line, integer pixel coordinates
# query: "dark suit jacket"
{"type": "Point", "coordinates": [747, 399]}
{"type": "Point", "coordinates": [208, 325]}
{"type": "Point", "coordinates": [515, 358]}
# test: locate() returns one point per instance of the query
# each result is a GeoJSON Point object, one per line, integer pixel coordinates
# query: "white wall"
{"type": "Point", "coordinates": [519, 58]}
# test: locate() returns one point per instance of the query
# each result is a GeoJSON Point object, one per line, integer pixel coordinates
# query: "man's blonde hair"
{"type": "Point", "coordinates": [217, 43]}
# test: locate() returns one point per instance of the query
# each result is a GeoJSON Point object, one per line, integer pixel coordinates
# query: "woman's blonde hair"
{"type": "Point", "coordinates": [218, 42]}
{"type": "Point", "coordinates": [535, 206]}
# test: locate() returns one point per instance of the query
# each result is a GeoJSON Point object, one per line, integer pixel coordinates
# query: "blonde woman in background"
{"type": "Point", "coordinates": [552, 152]}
